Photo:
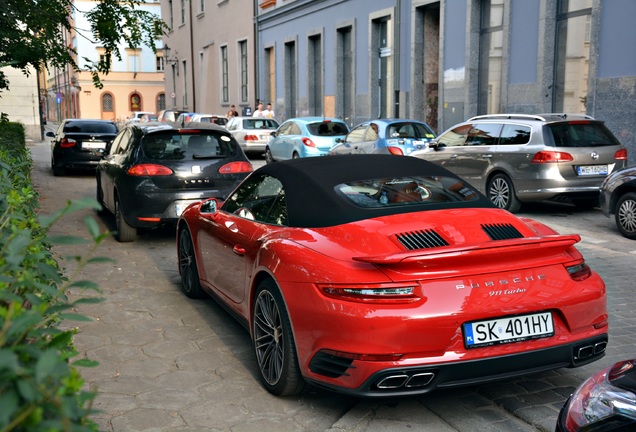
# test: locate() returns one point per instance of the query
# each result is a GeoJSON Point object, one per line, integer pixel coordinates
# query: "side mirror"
{"type": "Point", "coordinates": [273, 133]}
{"type": "Point", "coordinates": [209, 207]}
{"type": "Point", "coordinates": [50, 134]}
{"type": "Point", "coordinates": [339, 140]}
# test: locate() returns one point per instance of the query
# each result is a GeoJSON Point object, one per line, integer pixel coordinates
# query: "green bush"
{"type": "Point", "coordinates": [40, 386]}
{"type": "Point", "coordinates": [11, 134]}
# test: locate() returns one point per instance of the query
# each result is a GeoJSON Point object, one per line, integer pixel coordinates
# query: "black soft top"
{"type": "Point", "coordinates": [312, 201]}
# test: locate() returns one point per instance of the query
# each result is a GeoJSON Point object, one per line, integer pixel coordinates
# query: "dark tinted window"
{"type": "Point", "coordinates": [90, 127]}
{"type": "Point", "coordinates": [175, 146]}
{"type": "Point", "coordinates": [514, 134]}
{"type": "Point", "coordinates": [259, 198]}
{"type": "Point", "coordinates": [328, 128]}
{"type": "Point", "coordinates": [357, 134]}
{"type": "Point", "coordinates": [483, 134]}
{"type": "Point", "coordinates": [257, 123]}
{"type": "Point", "coordinates": [581, 134]}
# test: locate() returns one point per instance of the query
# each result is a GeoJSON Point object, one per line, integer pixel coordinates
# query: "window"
{"type": "Point", "coordinates": [514, 134]}
{"type": "Point", "coordinates": [357, 134]}
{"type": "Point", "coordinates": [243, 70]}
{"type": "Point", "coordinates": [382, 68]}
{"type": "Point", "coordinates": [161, 102]}
{"type": "Point", "coordinates": [183, 11]}
{"type": "Point", "coordinates": [201, 6]}
{"type": "Point", "coordinates": [344, 71]}
{"type": "Point", "coordinates": [160, 61]}
{"type": "Point", "coordinates": [314, 70]}
{"type": "Point", "coordinates": [291, 84]}
{"type": "Point", "coordinates": [270, 75]}
{"type": "Point", "coordinates": [225, 86]}
{"type": "Point", "coordinates": [483, 134]}
{"type": "Point", "coordinates": [572, 56]}
{"type": "Point", "coordinates": [260, 198]}
{"type": "Point", "coordinates": [185, 83]}
{"type": "Point", "coordinates": [490, 56]}
{"type": "Point", "coordinates": [171, 22]}
{"type": "Point", "coordinates": [107, 102]}
{"type": "Point", "coordinates": [455, 137]}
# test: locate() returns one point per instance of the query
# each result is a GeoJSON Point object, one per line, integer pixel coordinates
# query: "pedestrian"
{"type": "Point", "coordinates": [269, 112]}
{"type": "Point", "coordinates": [232, 112]}
{"type": "Point", "coordinates": [259, 110]}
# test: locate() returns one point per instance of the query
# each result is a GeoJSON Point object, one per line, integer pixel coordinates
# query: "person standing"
{"type": "Point", "coordinates": [232, 112]}
{"type": "Point", "coordinates": [259, 110]}
{"type": "Point", "coordinates": [269, 112]}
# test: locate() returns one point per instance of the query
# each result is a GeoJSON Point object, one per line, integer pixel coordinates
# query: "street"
{"type": "Point", "coordinates": [169, 363]}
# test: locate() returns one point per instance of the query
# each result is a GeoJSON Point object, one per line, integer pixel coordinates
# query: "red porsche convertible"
{"type": "Point", "coordinates": [378, 275]}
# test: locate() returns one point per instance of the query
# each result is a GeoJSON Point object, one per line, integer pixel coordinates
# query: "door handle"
{"type": "Point", "coordinates": [454, 156]}
{"type": "Point", "coordinates": [239, 250]}
{"type": "Point", "coordinates": [486, 156]}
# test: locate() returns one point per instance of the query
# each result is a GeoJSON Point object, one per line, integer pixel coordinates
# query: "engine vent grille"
{"type": "Point", "coordinates": [501, 231]}
{"type": "Point", "coordinates": [422, 239]}
{"type": "Point", "coordinates": [330, 365]}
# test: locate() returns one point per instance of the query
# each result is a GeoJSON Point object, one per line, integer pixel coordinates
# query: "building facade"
{"type": "Point", "coordinates": [443, 61]}
{"type": "Point", "coordinates": [210, 58]}
{"type": "Point", "coordinates": [135, 83]}
{"type": "Point", "coordinates": [21, 101]}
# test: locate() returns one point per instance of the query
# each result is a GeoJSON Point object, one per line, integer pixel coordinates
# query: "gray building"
{"type": "Point", "coordinates": [443, 61]}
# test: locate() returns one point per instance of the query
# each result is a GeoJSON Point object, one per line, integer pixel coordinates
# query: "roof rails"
{"type": "Point", "coordinates": [538, 117]}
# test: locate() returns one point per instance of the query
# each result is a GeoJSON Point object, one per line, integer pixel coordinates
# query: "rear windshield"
{"type": "Point", "coordinates": [221, 121]}
{"type": "Point", "coordinates": [328, 128]}
{"type": "Point", "coordinates": [90, 127]}
{"type": "Point", "coordinates": [409, 130]}
{"type": "Point", "coordinates": [385, 192]}
{"type": "Point", "coordinates": [257, 123]}
{"type": "Point", "coordinates": [581, 134]}
{"type": "Point", "coordinates": [187, 146]}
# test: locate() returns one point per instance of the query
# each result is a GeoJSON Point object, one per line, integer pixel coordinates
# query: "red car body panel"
{"type": "Point", "coordinates": [471, 279]}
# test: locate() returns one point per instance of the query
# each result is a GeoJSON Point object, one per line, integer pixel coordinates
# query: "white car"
{"type": "Point", "coordinates": [216, 119]}
{"type": "Point", "coordinates": [136, 116]}
{"type": "Point", "coordinates": [252, 133]}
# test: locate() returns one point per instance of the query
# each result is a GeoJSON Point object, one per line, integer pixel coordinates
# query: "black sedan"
{"type": "Point", "coordinates": [152, 172]}
{"type": "Point", "coordinates": [80, 144]}
{"type": "Point", "coordinates": [605, 402]}
{"type": "Point", "coordinates": [618, 198]}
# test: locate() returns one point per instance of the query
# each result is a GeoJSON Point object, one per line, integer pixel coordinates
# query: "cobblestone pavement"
{"type": "Point", "coordinates": [168, 363]}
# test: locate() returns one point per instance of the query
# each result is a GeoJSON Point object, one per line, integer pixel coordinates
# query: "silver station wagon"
{"type": "Point", "coordinates": [516, 158]}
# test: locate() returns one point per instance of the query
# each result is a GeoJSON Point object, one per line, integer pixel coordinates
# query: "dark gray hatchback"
{"type": "Point", "coordinates": [153, 171]}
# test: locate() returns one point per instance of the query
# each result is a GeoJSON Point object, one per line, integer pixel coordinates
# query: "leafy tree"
{"type": "Point", "coordinates": [32, 33]}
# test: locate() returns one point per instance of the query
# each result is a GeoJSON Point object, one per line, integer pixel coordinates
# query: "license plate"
{"type": "Point", "coordinates": [584, 170]}
{"type": "Point", "coordinates": [265, 137]}
{"type": "Point", "coordinates": [508, 330]}
{"type": "Point", "coordinates": [93, 145]}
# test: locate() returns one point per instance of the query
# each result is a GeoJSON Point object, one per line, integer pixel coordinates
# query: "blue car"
{"type": "Point", "coordinates": [386, 136]}
{"type": "Point", "coordinates": [304, 137]}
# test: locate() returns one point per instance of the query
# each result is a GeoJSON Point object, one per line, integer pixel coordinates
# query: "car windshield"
{"type": "Point", "coordinates": [186, 145]}
{"type": "Point", "coordinates": [383, 192]}
{"type": "Point", "coordinates": [581, 134]}
{"type": "Point", "coordinates": [328, 128]}
{"type": "Point", "coordinates": [257, 123]}
{"type": "Point", "coordinates": [409, 130]}
{"type": "Point", "coordinates": [90, 127]}
{"type": "Point", "coordinates": [221, 121]}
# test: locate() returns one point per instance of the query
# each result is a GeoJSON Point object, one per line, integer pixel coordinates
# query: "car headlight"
{"type": "Point", "coordinates": [604, 402]}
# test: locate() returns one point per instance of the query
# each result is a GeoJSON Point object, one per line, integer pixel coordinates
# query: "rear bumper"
{"type": "Point", "coordinates": [423, 379]}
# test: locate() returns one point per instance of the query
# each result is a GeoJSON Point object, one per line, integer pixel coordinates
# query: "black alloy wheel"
{"type": "Point", "coordinates": [502, 193]}
{"type": "Point", "coordinates": [190, 283]}
{"type": "Point", "coordinates": [274, 343]}
{"type": "Point", "coordinates": [626, 215]}
{"type": "Point", "coordinates": [268, 156]}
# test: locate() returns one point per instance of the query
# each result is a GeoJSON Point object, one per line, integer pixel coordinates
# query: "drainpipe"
{"type": "Point", "coordinates": [396, 58]}
{"type": "Point", "coordinates": [257, 54]}
{"type": "Point", "coordinates": [194, 87]}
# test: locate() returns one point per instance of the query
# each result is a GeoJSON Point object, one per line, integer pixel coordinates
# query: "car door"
{"type": "Point", "coordinates": [447, 147]}
{"type": "Point", "coordinates": [369, 143]}
{"type": "Point", "coordinates": [352, 142]}
{"type": "Point", "coordinates": [111, 165]}
{"type": "Point", "coordinates": [479, 151]}
{"type": "Point", "coordinates": [280, 145]}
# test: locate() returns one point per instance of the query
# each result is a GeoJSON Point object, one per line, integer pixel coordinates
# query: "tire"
{"type": "Point", "coordinates": [125, 233]}
{"type": "Point", "coordinates": [190, 283]}
{"type": "Point", "coordinates": [99, 196]}
{"type": "Point", "coordinates": [626, 215]}
{"type": "Point", "coordinates": [502, 193]}
{"type": "Point", "coordinates": [57, 171]}
{"type": "Point", "coordinates": [268, 156]}
{"type": "Point", "coordinates": [273, 342]}
{"type": "Point", "coordinates": [295, 156]}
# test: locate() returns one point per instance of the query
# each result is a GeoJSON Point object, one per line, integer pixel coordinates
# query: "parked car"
{"type": "Point", "coordinates": [376, 275]}
{"type": "Point", "coordinates": [516, 158]}
{"type": "Point", "coordinates": [604, 402]}
{"type": "Point", "coordinates": [137, 116]}
{"type": "Point", "coordinates": [152, 172]}
{"type": "Point", "coordinates": [184, 117]}
{"type": "Point", "coordinates": [219, 120]}
{"type": "Point", "coordinates": [80, 144]}
{"type": "Point", "coordinates": [618, 198]}
{"type": "Point", "coordinates": [169, 115]}
{"type": "Point", "coordinates": [304, 137]}
{"type": "Point", "coordinates": [385, 136]}
{"type": "Point", "coordinates": [252, 133]}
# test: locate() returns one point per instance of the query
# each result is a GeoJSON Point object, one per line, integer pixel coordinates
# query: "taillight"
{"type": "Point", "coordinates": [67, 142]}
{"type": "Point", "coordinates": [551, 157]}
{"type": "Point", "coordinates": [372, 293]}
{"type": "Point", "coordinates": [236, 168]}
{"type": "Point", "coordinates": [308, 142]}
{"type": "Point", "coordinates": [621, 154]}
{"type": "Point", "coordinates": [250, 138]}
{"type": "Point", "coordinates": [151, 170]}
{"type": "Point", "coordinates": [579, 272]}
{"type": "Point", "coordinates": [395, 151]}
